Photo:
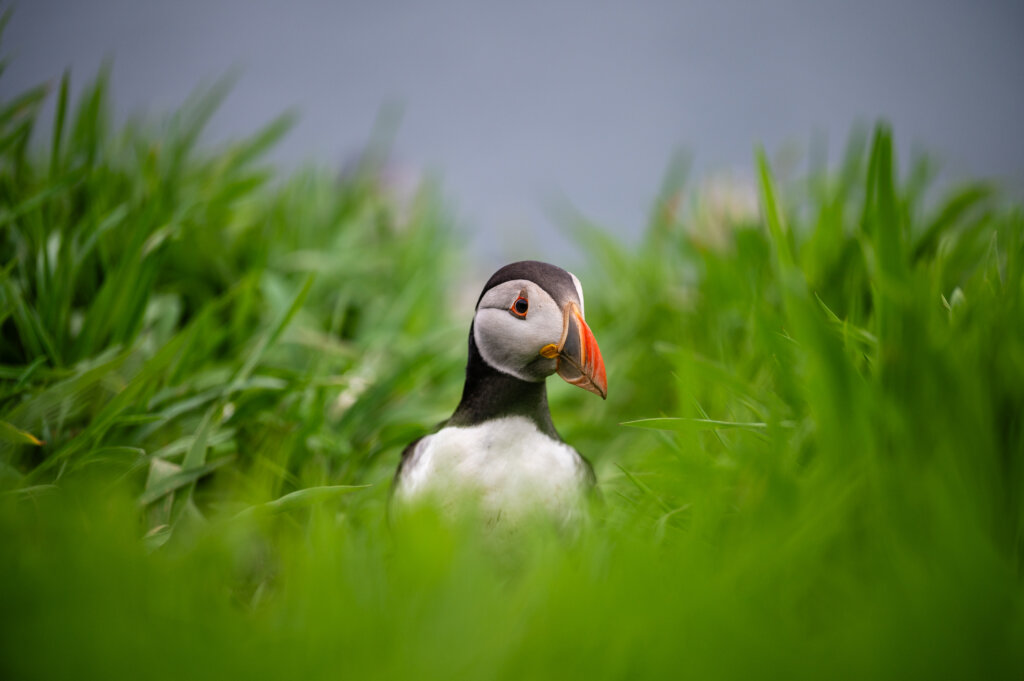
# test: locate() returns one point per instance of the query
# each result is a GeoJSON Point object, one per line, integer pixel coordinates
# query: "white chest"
{"type": "Point", "coordinates": [507, 467]}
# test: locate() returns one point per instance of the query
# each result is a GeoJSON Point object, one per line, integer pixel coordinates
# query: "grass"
{"type": "Point", "coordinates": [812, 454]}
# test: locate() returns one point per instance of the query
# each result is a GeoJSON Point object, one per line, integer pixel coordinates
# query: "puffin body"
{"type": "Point", "coordinates": [499, 451]}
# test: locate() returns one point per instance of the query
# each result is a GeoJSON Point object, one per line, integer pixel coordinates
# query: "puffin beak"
{"type": "Point", "coordinates": [579, 359]}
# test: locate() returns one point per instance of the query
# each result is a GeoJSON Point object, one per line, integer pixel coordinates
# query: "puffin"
{"type": "Point", "coordinates": [499, 453]}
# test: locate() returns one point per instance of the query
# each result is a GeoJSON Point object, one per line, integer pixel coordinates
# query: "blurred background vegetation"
{"type": "Point", "coordinates": [208, 370]}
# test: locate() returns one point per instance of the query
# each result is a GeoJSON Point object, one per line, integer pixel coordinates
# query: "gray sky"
{"type": "Point", "coordinates": [511, 103]}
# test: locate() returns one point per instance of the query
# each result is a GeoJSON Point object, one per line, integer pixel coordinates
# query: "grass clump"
{"type": "Point", "coordinates": [207, 374]}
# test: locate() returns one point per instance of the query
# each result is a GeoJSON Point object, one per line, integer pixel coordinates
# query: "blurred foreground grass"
{"type": "Point", "coordinates": [201, 364]}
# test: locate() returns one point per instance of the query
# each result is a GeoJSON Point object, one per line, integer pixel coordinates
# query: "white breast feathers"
{"type": "Point", "coordinates": [506, 468]}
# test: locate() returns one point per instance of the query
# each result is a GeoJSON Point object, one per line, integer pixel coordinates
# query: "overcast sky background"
{"type": "Point", "coordinates": [514, 102]}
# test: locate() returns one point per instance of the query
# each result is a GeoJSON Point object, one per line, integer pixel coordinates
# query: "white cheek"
{"type": "Point", "coordinates": [509, 344]}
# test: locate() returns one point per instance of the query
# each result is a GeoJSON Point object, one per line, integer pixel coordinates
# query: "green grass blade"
{"type": "Point", "coordinates": [14, 435]}
{"type": "Point", "coordinates": [692, 424]}
{"type": "Point", "coordinates": [179, 480]}
{"type": "Point", "coordinates": [302, 498]}
{"type": "Point", "coordinates": [58, 125]}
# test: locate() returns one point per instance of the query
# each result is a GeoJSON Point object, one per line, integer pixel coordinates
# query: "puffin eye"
{"type": "Point", "coordinates": [520, 307]}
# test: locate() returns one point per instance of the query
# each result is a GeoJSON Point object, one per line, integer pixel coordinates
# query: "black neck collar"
{"type": "Point", "coordinates": [491, 394]}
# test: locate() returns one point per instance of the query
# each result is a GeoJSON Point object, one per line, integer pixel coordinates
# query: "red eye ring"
{"type": "Point", "coordinates": [520, 307]}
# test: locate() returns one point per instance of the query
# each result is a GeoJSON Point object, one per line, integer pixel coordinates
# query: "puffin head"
{"type": "Point", "coordinates": [529, 324]}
